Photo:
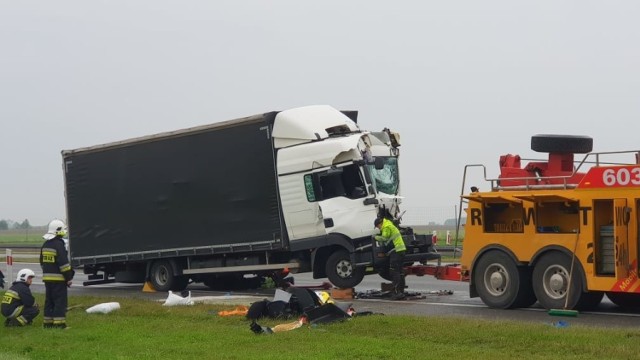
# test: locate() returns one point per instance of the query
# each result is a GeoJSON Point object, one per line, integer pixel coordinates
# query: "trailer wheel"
{"type": "Point", "coordinates": [162, 278]}
{"type": "Point", "coordinates": [342, 272]}
{"type": "Point", "coordinates": [551, 281]}
{"type": "Point", "coordinates": [498, 281]}
{"type": "Point", "coordinates": [561, 144]}
{"type": "Point", "coordinates": [625, 300]}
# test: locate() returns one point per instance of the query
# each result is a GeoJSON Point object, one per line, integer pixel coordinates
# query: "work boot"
{"type": "Point", "coordinates": [12, 323]}
{"type": "Point", "coordinates": [398, 296]}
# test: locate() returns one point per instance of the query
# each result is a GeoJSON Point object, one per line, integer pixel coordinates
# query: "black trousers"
{"type": "Point", "coordinates": [396, 265]}
{"type": "Point", "coordinates": [25, 317]}
{"type": "Point", "coordinates": [55, 304]}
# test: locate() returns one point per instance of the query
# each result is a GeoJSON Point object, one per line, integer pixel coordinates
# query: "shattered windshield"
{"type": "Point", "coordinates": [386, 180]}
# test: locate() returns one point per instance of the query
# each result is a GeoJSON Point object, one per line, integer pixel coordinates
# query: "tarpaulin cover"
{"type": "Point", "coordinates": [202, 188]}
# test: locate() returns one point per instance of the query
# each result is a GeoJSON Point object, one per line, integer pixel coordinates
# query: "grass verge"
{"type": "Point", "coordinates": [142, 329]}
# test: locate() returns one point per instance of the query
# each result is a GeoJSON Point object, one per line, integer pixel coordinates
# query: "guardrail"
{"type": "Point", "coordinates": [449, 250]}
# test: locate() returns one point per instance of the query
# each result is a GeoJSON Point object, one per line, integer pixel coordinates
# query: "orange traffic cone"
{"type": "Point", "coordinates": [148, 287]}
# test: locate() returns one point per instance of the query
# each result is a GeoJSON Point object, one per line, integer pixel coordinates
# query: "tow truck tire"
{"type": "Point", "coordinates": [562, 144]}
{"type": "Point", "coordinates": [342, 272]}
{"type": "Point", "coordinates": [625, 300]}
{"type": "Point", "coordinates": [163, 279]}
{"type": "Point", "coordinates": [551, 278]}
{"type": "Point", "coordinates": [498, 281]}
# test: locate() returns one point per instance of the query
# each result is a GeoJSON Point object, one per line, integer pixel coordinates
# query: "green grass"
{"type": "Point", "coordinates": [22, 237]}
{"type": "Point", "coordinates": [142, 329]}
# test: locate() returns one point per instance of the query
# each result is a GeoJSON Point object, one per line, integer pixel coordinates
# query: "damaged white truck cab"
{"type": "Point", "coordinates": [296, 189]}
{"type": "Point", "coordinates": [346, 173]}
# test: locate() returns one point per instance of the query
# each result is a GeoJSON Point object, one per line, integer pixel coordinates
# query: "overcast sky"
{"type": "Point", "coordinates": [462, 81]}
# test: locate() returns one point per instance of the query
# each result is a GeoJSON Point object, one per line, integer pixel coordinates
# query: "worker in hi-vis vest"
{"type": "Point", "coordinates": [391, 239]}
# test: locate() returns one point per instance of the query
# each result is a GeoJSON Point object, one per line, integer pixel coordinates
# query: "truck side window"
{"type": "Point", "coordinates": [308, 186]}
{"type": "Point", "coordinates": [344, 181]}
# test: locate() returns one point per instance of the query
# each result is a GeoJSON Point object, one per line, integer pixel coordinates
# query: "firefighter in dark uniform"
{"type": "Point", "coordinates": [18, 304]}
{"type": "Point", "coordinates": [56, 275]}
{"type": "Point", "coordinates": [391, 239]}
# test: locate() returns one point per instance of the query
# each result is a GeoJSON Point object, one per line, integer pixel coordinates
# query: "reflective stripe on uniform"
{"type": "Point", "coordinates": [52, 277]}
{"type": "Point", "coordinates": [65, 267]}
{"type": "Point", "coordinates": [9, 296]}
{"type": "Point", "coordinates": [398, 242]}
{"type": "Point", "coordinates": [49, 255]}
{"type": "Point", "coordinates": [16, 312]}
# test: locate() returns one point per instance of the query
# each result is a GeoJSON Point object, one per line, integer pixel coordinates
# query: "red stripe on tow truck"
{"type": "Point", "coordinates": [611, 177]}
{"type": "Point", "coordinates": [627, 284]}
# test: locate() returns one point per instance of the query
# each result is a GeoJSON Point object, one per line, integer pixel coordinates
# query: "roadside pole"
{"type": "Point", "coordinates": [9, 272]}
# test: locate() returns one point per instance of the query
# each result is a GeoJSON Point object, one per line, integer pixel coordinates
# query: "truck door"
{"type": "Point", "coordinates": [342, 193]}
{"type": "Point", "coordinates": [300, 207]}
{"type": "Point", "coordinates": [621, 217]}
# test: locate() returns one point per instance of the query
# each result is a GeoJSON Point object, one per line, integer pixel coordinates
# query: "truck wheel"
{"type": "Point", "coordinates": [498, 281]}
{"type": "Point", "coordinates": [561, 144]}
{"type": "Point", "coordinates": [551, 281]}
{"type": "Point", "coordinates": [162, 278]}
{"type": "Point", "coordinates": [625, 300]}
{"type": "Point", "coordinates": [342, 272]}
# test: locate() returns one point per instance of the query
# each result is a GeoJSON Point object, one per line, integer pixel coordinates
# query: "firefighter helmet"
{"type": "Point", "coordinates": [25, 274]}
{"type": "Point", "coordinates": [56, 228]}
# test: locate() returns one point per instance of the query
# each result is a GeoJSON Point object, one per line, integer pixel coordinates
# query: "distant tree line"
{"type": "Point", "coordinates": [6, 225]}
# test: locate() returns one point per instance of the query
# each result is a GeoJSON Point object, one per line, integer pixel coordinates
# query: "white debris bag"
{"type": "Point", "coordinates": [175, 299]}
{"type": "Point", "coordinates": [103, 308]}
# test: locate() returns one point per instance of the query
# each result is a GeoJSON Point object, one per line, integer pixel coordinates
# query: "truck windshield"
{"type": "Point", "coordinates": [385, 180]}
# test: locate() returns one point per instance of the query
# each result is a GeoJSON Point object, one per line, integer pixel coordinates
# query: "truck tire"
{"type": "Point", "coordinates": [342, 272]}
{"type": "Point", "coordinates": [163, 279]}
{"type": "Point", "coordinates": [562, 144]}
{"type": "Point", "coordinates": [550, 281]}
{"type": "Point", "coordinates": [500, 283]}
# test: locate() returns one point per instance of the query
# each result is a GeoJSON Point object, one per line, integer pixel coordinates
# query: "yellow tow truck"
{"type": "Point", "coordinates": [561, 232]}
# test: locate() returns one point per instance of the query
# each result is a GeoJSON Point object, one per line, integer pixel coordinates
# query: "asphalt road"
{"type": "Point", "coordinates": [457, 304]}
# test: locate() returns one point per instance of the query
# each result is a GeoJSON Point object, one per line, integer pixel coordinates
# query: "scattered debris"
{"type": "Point", "coordinates": [174, 299]}
{"type": "Point", "coordinates": [440, 292]}
{"type": "Point", "coordinates": [103, 308]}
{"type": "Point", "coordinates": [239, 310]}
{"type": "Point", "coordinates": [312, 308]}
{"type": "Point", "coordinates": [408, 295]}
{"type": "Point", "coordinates": [560, 324]}
{"type": "Point", "coordinates": [259, 329]}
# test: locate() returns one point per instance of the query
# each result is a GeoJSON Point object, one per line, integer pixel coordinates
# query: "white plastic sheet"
{"type": "Point", "coordinates": [175, 299]}
{"type": "Point", "coordinates": [103, 308]}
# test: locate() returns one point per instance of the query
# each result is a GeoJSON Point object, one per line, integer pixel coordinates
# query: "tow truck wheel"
{"type": "Point", "coordinates": [551, 281]}
{"type": "Point", "coordinates": [498, 281]}
{"type": "Point", "coordinates": [342, 272]}
{"type": "Point", "coordinates": [162, 278]}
